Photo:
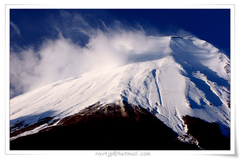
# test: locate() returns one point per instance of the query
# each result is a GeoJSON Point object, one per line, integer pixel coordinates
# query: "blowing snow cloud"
{"type": "Point", "coordinates": [63, 57]}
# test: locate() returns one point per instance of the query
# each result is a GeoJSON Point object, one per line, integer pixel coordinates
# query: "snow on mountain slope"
{"type": "Point", "coordinates": [186, 76]}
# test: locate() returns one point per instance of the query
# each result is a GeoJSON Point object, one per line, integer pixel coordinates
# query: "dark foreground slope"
{"type": "Point", "coordinates": [108, 127]}
{"type": "Point", "coordinates": [208, 134]}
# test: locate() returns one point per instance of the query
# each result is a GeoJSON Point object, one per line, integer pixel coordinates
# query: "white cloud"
{"type": "Point", "coordinates": [15, 27]}
{"type": "Point", "coordinates": [64, 13]}
{"type": "Point", "coordinates": [62, 58]}
{"type": "Point", "coordinates": [183, 33]}
{"type": "Point", "coordinates": [22, 70]}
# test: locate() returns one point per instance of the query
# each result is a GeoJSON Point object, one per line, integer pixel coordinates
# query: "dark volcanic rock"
{"type": "Point", "coordinates": [105, 127]}
{"type": "Point", "coordinates": [208, 134]}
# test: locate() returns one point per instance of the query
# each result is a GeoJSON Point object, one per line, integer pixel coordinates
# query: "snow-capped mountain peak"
{"type": "Point", "coordinates": [185, 77]}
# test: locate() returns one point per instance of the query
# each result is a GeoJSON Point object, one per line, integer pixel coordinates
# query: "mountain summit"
{"type": "Point", "coordinates": [177, 97]}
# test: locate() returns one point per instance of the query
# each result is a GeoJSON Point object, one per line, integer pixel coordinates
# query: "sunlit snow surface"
{"type": "Point", "coordinates": [186, 76]}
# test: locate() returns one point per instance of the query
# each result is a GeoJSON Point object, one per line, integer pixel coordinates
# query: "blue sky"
{"type": "Point", "coordinates": [212, 25]}
{"type": "Point", "coordinates": [45, 43]}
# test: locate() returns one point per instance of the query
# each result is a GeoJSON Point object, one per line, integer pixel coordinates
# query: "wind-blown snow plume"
{"type": "Point", "coordinates": [63, 57]}
{"type": "Point", "coordinates": [15, 28]}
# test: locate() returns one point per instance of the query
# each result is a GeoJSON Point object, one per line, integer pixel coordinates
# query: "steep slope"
{"type": "Point", "coordinates": [187, 76]}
